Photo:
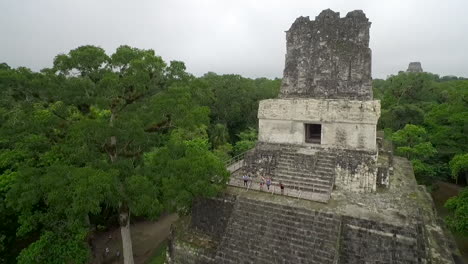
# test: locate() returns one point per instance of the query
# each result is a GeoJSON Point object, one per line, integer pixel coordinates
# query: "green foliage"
{"type": "Point", "coordinates": [458, 165]}
{"type": "Point", "coordinates": [186, 168]}
{"type": "Point", "coordinates": [410, 135]}
{"type": "Point", "coordinates": [406, 88]}
{"type": "Point", "coordinates": [219, 135]}
{"type": "Point", "coordinates": [87, 60]}
{"type": "Point", "coordinates": [458, 207]}
{"type": "Point", "coordinates": [160, 256]}
{"type": "Point", "coordinates": [235, 100]}
{"type": "Point", "coordinates": [53, 248]}
{"type": "Point", "coordinates": [248, 139]}
{"type": "Point", "coordinates": [223, 152]}
{"type": "Point", "coordinates": [424, 172]}
{"type": "Point", "coordinates": [411, 143]}
{"type": "Point", "coordinates": [95, 135]}
{"type": "Point", "coordinates": [430, 117]}
{"type": "Point", "coordinates": [399, 115]}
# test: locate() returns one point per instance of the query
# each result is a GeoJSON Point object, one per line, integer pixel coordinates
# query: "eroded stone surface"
{"type": "Point", "coordinates": [395, 225]}
{"type": "Point", "coordinates": [414, 67]}
{"type": "Point", "coordinates": [328, 57]}
{"type": "Point", "coordinates": [261, 161]}
{"type": "Point", "coordinates": [345, 124]}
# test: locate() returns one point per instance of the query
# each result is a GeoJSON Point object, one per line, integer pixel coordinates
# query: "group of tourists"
{"type": "Point", "coordinates": [262, 183]}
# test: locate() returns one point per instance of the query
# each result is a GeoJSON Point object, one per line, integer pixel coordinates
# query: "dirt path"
{"type": "Point", "coordinates": [146, 237]}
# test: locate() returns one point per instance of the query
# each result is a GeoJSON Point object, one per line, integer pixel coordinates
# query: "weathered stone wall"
{"type": "Point", "coordinates": [365, 241]}
{"type": "Point", "coordinates": [414, 67]}
{"type": "Point", "coordinates": [312, 169]}
{"type": "Point", "coordinates": [328, 57]}
{"type": "Point", "coordinates": [356, 171]}
{"type": "Point", "coordinates": [189, 244]}
{"type": "Point", "coordinates": [182, 253]}
{"type": "Point", "coordinates": [260, 231]}
{"type": "Point", "coordinates": [206, 212]}
{"type": "Point", "coordinates": [345, 124]}
{"type": "Point", "coordinates": [262, 160]}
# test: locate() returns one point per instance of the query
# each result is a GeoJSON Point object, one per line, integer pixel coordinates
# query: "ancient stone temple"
{"type": "Point", "coordinates": [414, 67]}
{"type": "Point", "coordinates": [346, 199]}
{"type": "Point", "coordinates": [325, 119]}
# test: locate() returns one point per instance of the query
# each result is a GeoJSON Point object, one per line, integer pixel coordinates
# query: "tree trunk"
{"type": "Point", "coordinates": [87, 221]}
{"type": "Point", "coordinates": [124, 218]}
{"type": "Point", "coordinates": [124, 214]}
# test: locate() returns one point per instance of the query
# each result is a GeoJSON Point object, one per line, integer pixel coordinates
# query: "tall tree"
{"type": "Point", "coordinates": [81, 148]}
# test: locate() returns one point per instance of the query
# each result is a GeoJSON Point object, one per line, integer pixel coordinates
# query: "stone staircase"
{"type": "Point", "coordinates": [262, 232]}
{"type": "Point", "coordinates": [364, 241]}
{"type": "Point", "coordinates": [312, 176]}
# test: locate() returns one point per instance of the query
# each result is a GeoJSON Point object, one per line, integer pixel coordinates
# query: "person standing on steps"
{"type": "Point", "coordinates": [246, 179]}
{"type": "Point", "coordinates": [262, 182]}
{"type": "Point", "coordinates": [268, 183]}
{"type": "Point", "coordinates": [282, 188]}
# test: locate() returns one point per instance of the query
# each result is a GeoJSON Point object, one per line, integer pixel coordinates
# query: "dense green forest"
{"type": "Point", "coordinates": [427, 119]}
{"type": "Point", "coordinates": [98, 139]}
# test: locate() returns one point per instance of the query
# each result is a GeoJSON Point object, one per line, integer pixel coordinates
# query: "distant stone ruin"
{"type": "Point", "coordinates": [414, 67]}
{"type": "Point", "coordinates": [346, 199]}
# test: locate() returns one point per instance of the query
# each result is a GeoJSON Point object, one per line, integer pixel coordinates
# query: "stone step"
{"type": "Point", "coordinates": [249, 239]}
{"type": "Point", "coordinates": [293, 158]}
{"type": "Point", "coordinates": [280, 209]}
{"type": "Point", "coordinates": [317, 164]}
{"type": "Point", "coordinates": [281, 250]}
{"type": "Point", "coordinates": [322, 175]}
{"type": "Point", "coordinates": [290, 231]}
{"type": "Point", "coordinates": [263, 256]}
{"type": "Point", "coordinates": [294, 184]}
{"type": "Point", "coordinates": [263, 232]}
{"type": "Point", "coordinates": [317, 154]}
{"type": "Point", "coordinates": [232, 255]}
{"type": "Point", "coordinates": [308, 179]}
{"type": "Point", "coordinates": [309, 189]}
{"type": "Point", "coordinates": [304, 173]}
{"type": "Point", "coordinates": [318, 195]}
{"type": "Point", "coordinates": [287, 218]}
{"type": "Point", "coordinates": [292, 164]}
{"type": "Point", "coordinates": [299, 180]}
{"type": "Point", "coordinates": [277, 236]}
{"type": "Point", "coordinates": [307, 227]}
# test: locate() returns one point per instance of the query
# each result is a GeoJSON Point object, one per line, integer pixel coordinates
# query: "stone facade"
{"type": "Point", "coordinates": [262, 161]}
{"type": "Point", "coordinates": [204, 211]}
{"type": "Point", "coordinates": [356, 171]}
{"type": "Point", "coordinates": [396, 225]}
{"type": "Point", "coordinates": [345, 123]}
{"type": "Point", "coordinates": [414, 67]}
{"type": "Point", "coordinates": [367, 241]}
{"type": "Point", "coordinates": [325, 104]}
{"type": "Point", "coordinates": [328, 58]}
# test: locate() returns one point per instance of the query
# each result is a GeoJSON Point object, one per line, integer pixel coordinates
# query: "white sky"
{"type": "Point", "coordinates": [240, 36]}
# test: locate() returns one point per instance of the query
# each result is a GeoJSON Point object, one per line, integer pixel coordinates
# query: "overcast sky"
{"type": "Point", "coordinates": [240, 36]}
